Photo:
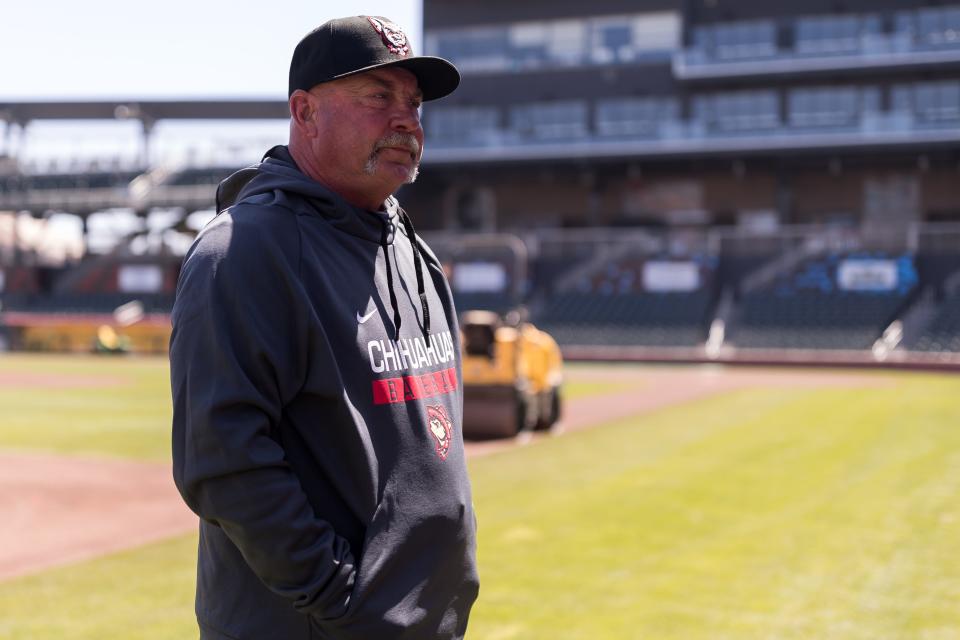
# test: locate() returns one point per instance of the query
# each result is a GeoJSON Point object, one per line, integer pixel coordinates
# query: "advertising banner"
{"type": "Point", "coordinates": [140, 278]}
{"type": "Point", "coordinates": [671, 276]}
{"type": "Point", "coordinates": [479, 277]}
{"type": "Point", "coordinates": [867, 275]}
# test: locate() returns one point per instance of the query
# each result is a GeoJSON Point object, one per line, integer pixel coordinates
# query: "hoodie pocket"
{"type": "Point", "coordinates": [370, 557]}
{"type": "Point", "coordinates": [415, 574]}
{"type": "Point", "coordinates": [372, 554]}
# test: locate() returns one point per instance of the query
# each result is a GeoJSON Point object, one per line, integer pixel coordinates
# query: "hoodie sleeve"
{"type": "Point", "coordinates": [238, 355]}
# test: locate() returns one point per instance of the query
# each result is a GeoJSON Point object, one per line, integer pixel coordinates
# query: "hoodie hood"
{"type": "Point", "coordinates": [277, 181]}
{"type": "Point", "coordinates": [277, 178]}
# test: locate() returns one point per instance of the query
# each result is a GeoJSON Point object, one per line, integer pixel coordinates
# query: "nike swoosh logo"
{"type": "Point", "coordinates": [361, 319]}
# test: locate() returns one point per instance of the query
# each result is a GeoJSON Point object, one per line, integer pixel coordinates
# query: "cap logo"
{"type": "Point", "coordinates": [392, 35]}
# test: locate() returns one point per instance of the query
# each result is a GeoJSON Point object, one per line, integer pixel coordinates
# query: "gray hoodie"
{"type": "Point", "coordinates": [315, 367]}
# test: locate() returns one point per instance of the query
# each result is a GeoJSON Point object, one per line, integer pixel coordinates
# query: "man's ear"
{"type": "Point", "coordinates": [303, 112]}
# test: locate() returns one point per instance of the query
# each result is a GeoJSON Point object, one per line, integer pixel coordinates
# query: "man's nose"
{"type": "Point", "coordinates": [406, 118]}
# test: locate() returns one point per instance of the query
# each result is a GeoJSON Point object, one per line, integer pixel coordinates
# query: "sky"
{"type": "Point", "coordinates": [108, 49]}
{"type": "Point", "coordinates": [172, 49]}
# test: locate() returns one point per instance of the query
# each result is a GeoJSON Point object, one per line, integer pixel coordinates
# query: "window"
{"type": "Point", "coordinates": [656, 31]}
{"type": "Point", "coordinates": [461, 124]}
{"type": "Point", "coordinates": [558, 43]}
{"type": "Point", "coordinates": [938, 26]}
{"type": "Point", "coordinates": [612, 42]}
{"type": "Point", "coordinates": [566, 43]}
{"type": "Point", "coordinates": [929, 102]}
{"type": "Point", "coordinates": [550, 120]}
{"type": "Point", "coordinates": [528, 44]}
{"type": "Point", "coordinates": [938, 101]}
{"type": "Point", "coordinates": [738, 40]}
{"type": "Point", "coordinates": [830, 106]}
{"type": "Point", "coordinates": [534, 45]}
{"type": "Point", "coordinates": [738, 110]}
{"type": "Point", "coordinates": [834, 34]}
{"type": "Point", "coordinates": [634, 116]}
{"type": "Point", "coordinates": [482, 49]}
{"type": "Point", "coordinates": [932, 26]}
{"type": "Point", "coordinates": [626, 38]}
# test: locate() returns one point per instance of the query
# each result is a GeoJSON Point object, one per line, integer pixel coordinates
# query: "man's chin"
{"type": "Point", "coordinates": [403, 173]}
{"type": "Point", "coordinates": [406, 174]}
{"type": "Point", "coordinates": [412, 175]}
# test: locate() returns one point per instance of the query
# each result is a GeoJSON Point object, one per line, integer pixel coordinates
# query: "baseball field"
{"type": "Point", "coordinates": [673, 503]}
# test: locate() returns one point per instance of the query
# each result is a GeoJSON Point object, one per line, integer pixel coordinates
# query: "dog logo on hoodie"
{"type": "Point", "coordinates": [393, 37]}
{"type": "Point", "coordinates": [440, 428]}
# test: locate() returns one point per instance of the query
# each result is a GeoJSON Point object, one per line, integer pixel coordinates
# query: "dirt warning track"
{"type": "Point", "coordinates": [59, 509]}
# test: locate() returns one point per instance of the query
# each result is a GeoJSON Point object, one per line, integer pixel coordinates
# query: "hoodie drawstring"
{"type": "Point", "coordinates": [421, 290]}
{"type": "Point", "coordinates": [408, 225]}
{"type": "Point", "coordinates": [393, 295]}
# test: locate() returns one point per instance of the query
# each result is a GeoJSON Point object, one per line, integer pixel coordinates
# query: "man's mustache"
{"type": "Point", "coordinates": [400, 140]}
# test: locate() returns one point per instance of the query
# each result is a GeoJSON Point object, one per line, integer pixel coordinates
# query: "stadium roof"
{"type": "Point", "coordinates": [145, 110]}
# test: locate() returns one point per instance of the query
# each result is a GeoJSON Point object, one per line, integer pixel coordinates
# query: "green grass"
{"type": "Point", "coordinates": [580, 389]}
{"type": "Point", "coordinates": [818, 513]}
{"type": "Point", "coordinates": [144, 593]}
{"type": "Point", "coordinates": [127, 417]}
{"type": "Point", "coordinates": [762, 514]}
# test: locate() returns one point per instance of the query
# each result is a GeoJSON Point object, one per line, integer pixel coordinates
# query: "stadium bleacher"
{"type": "Point", "coordinates": [85, 303]}
{"type": "Point", "coordinates": [547, 270]}
{"type": "Point", "coordinates": [943, 332]}
{"type": "Point", "coordinates": [193, 176]}
{"type": "Point", "coordinates": [648, 319]}
{"type": "Point", "coordinates": [619, 303]}
{"type": "Point", "coordinates": [807, 308]}
{"type": "Point", "coordinates": [607, 291]}
{"type": "Point", "coordinates": [22, 183]}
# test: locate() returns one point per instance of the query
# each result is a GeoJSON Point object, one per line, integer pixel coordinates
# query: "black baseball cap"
{"type": "Point", "coordinates": [347, 46]}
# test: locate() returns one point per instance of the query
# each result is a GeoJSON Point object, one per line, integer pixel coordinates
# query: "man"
{"type": "Point", "coordinates": [315, 367]}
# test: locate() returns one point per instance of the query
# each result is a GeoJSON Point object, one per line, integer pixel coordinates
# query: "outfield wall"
{"type": "Point", "coordinates": [765, 357]}
{"type": "Point", "coordinates": [77, 333]}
